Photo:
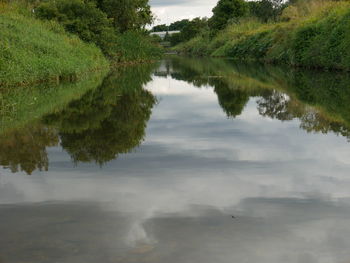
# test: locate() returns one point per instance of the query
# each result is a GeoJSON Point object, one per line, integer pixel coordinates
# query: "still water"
{"type": "Point", "coordinates": [183, 161]}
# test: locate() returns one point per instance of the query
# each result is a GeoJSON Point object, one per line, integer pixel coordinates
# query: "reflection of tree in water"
{"type": "Point", "coordinates": [280, 106]}
{"type": "Point", "coordinates": [232, 101]}
{"type": "Point", "coordinates": [122, 130]}
{"type": "Point", "coordinates": [105, 122]}
{"type": "Point", "coordinates": [277, 105]}
{"type": "Point", "coordinates": [25, 149]}
{"type": "Point", "coordinates": [327, 93]}
{"type": "Point", "coordinates": [108, 121]}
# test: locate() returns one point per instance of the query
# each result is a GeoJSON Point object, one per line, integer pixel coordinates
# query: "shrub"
{"type": "Point", "coordinates": [83, 19]}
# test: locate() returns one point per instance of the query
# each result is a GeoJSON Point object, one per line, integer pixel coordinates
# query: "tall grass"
{"type": "Point", "coordinates": [135, 47]}
{"type": "Point", "coordinates": [314, 34]}
{"type": "Point", "coordinates": [32, 51]}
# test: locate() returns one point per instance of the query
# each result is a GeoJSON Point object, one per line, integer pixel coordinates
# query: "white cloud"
{"type": "Point", "coordinates": [171, 11]}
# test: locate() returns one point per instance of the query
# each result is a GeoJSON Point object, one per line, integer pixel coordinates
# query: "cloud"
{"type": "Point", "coordinates": [168, 11]}
{"type": "Point", "coordinates": [172, 2]}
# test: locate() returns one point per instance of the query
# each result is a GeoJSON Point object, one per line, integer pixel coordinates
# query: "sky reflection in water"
{"type": "Point", "coordinates": [172, 198]}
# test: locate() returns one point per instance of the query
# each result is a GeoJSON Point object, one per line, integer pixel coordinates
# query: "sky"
{"type": "Point", "coordinates": [168, 11]}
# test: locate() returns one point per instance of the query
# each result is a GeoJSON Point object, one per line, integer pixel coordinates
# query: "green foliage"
{"type": "Point", "coordinates": [127, 14]}
{"type": "Point", "coordinates": [25, 149]}
{"type": "Point", "coordinates": [197, 46]}
{"type": "Point", "coordinates": [108, 120]}
{"type": "Point", "coordinates": [317, 39]}
{"type": "Point", "coordinates": [42, 51]}
{"type": "Point", "coordinates": [175, 39]}
{"type": "Point", "coordinates": [21, 105]}
{"type": "Point", "coordinates": [265, 10]}
{"type": "Point", "coordinates": [136, 46]}
{"type": "Point", "coordinates": [160, 28]}
{"type": "Point", "coordinates": [175, 26]}
{"type": "Point", "coordinates": [318, 99]}
{"type": "Point", "coordinates": [83, 19]}
{"type": "Point", "coordinates": [227, 10]}
{"type": "Point", "coordinates": [192, 29]}
{"type": "Point", "coordinates": [179, 25]}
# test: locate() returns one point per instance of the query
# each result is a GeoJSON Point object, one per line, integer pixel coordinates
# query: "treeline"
{"type": "Point", "coordinates": [300, 33]}
{"type": "Point", "coordinates": [116, 26]}
{"type": "Point", "coordinates": [54, 40]}
{"type": "Point", "coordinates": [176, 26]}
{"type": "Point", "coordinates": [226, 12]}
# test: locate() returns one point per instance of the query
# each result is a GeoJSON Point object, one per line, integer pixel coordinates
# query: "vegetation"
{"type": "Point", "coordinates": [176, 26]}
{"type": "Point", "coordinates": [41, 51]}
{"type": "Point", "coordinates": [225, 11]}
{"type": "Point", "coordinates": [318, 99]}
{"type": "Point", "coordinates": [117, 27]}
{"type": "Point", "coordinates": [60, 39]}
{"type": "Point", "coordinates": [108, 120]}
{"type": "Point", "coordinates": [311, 34]}
{"type": "Point", "coordinates": [19, 106]}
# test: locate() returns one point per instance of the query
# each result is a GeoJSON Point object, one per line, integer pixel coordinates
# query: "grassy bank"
{"type": "Point", "coordinates": [37, 47]}
{"type": "Point", "coordinates": [315, 35]}
{"type": "Point", "coordinates": [33, 51]}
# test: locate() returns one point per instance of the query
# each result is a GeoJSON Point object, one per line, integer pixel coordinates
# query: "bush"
{"type": "Point", "coordinates": [136, 46]}
{"type": "Point", "coordinates": [83, 19]}
{"type": "Point", "coordinates": [318, 37]}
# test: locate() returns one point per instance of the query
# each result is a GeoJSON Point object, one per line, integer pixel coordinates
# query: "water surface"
{"type": "Point", "coordinates": [186, 160]}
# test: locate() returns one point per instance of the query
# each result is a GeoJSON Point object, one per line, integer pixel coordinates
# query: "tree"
{"type": "Point", "coordinates": [226, 10]}
{"type": "Point", "coordinates": [108, 121]}
{"type": "Point", "coordinates": [24, 149]}
{"type": "Point", "coordinates": [127, 14]}
{"type": "Point", "coordinates": [81, 18]}
{"type": "Point", "coordinates": [193, 28]}
{"type": "Point", "coordinates": [190, 30]}
{"type": "Point", "coordinates": [178, 25]}
{"type": "Point", "coordinates": [160, 28]}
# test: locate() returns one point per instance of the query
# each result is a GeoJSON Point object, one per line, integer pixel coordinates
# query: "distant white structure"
{"type": "Point", "coordinates": [163, 33]}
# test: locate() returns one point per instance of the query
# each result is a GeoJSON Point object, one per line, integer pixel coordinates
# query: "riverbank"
{"type": "Point", "coordinates": [32, 51]}
{"type": "Point", "coordinates": [314, 38]}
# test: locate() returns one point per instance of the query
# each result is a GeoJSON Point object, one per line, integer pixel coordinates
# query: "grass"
{"type": "Point", "coordinates": [316, 35]}
{"type": "Point", "coordinates": [136, 47]}
{"type": "Point", "coordinates": [33, 51]}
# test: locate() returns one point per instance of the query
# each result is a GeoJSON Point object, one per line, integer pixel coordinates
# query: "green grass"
{"type": "Point", "coordinates": [32, 51]}
{"type": "Point", "coordinates": [136, 47]}
{"type": "Point", "coordinates": [314, 37]}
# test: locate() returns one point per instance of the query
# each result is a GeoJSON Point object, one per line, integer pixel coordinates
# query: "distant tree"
{"type": "Point", "coordinates": [227, 10]}
{"type": "Point", "coordinates": [193, 28]}
{"type": "Point", "coordinates": [179, 25]}
{"type": "Point", "coordinates": [160, 28]}
{"type": "Point", "coordinates": [190, 30]}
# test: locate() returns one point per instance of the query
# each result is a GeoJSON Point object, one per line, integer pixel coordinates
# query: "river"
{"type": "Point", "coordinates": [181, 161]}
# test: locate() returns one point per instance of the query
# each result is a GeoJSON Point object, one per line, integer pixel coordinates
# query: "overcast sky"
{"type": "Point", "coordinates": [168, 11]}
